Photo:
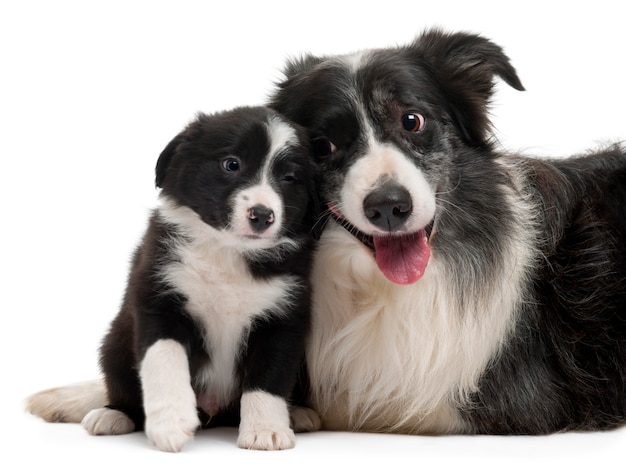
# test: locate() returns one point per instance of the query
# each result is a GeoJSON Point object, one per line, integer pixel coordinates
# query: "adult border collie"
{"type": "Point", "coordinates": [218, 301]}
{"type": "Point", "coordinates": [457, 288]}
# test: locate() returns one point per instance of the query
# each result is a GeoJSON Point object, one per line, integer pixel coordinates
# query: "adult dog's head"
{"type": "Point", "coordinates": [246, 173]}
{"type": "Point", "coordinates": [391, 128]}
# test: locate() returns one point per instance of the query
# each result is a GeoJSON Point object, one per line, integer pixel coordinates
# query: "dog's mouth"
{"type": "Point", "coordinates": [402, 258]}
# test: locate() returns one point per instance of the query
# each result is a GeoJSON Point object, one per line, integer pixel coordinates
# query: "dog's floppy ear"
{"type": "Point", "coordinates": [466, 65]}
{"type": "Point", "coordinates": [296, 91]}
{"type": "Point", "coordinates": [300, 65]}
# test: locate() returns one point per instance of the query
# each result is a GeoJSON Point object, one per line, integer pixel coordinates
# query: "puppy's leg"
{"type": "Point", "coordinates": [264, 422]}
{"type": "Point", "coordinates": [169, 400]}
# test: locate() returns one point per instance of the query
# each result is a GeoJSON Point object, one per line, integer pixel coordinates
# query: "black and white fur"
{"type": "Point", "coordinates": [513, 320]}
{"type": "Point", "coordinates": [457, 288]}
{"type": "Point", "coordinates": [217, 307]}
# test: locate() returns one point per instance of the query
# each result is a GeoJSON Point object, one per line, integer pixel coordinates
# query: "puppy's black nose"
{"type": "Point", "coordinates": [388, 207]}
{"type": "Point", "coordinates": [260, 217]}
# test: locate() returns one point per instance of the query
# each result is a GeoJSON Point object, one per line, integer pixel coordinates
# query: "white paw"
{"type": "Point", "coordinates": [304, 419]}
{"type": "Point", "coordinates": [106, 422]}
{"type": "Point", "coordinates": [170, 430]}
{"type": "Point", "coordinates": [168, 399]}
{"type": "Point", "coordinates": [266, 439]}
{"type": "Point", "coordinates": [264, 422]}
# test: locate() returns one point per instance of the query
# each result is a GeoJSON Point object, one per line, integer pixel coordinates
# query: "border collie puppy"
{"type": "Point", "coordinates": [217, 308]}
{"type": "Point", "coordinates": [457, 288]}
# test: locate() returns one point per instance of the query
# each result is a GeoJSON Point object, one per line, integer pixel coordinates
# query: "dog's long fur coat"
{"type": "Point", "coordinates": [458, 288]}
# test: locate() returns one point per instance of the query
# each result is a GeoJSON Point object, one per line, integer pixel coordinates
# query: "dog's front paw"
{"type": "Point", "coordinates": [107, 422]}
{"type": "Point", "coordinates": [170, 431]}
{"type": "Point", "coordinates": [266, 438]}
{"type": "Point", "coordinates": [304, 419]}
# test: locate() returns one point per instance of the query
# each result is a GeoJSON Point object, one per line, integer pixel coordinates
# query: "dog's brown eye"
{"type": "Point", "coordinates": [231, 165]}
{"type": "Point", "coordinates": [323, 147]}
{"type": "Point", "coordinates": [413, 122]}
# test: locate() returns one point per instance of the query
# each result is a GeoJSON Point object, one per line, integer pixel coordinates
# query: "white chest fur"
{"type": "Point", "coordinates": [224, 298]}
{"type": "Point", "coordinates": [384, 357]}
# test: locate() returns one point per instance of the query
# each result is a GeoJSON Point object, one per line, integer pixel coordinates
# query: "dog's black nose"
{"type": "Point", "coordinates": [388, 207]}
{"type": "Point", "coordinates": [260, 217]}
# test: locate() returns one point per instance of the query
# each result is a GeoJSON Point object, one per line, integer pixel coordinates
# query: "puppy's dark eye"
{"type": "Point", "coordinates": [289, 178]}
{"type": "Point", "coordinates": [413, 122]}
{"type": "Point", "coordinates": [231, 164]}
{"type": "Point", "coordinates": [323, 147]}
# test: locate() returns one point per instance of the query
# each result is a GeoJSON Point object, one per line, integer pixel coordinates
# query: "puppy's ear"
{"type": "Point", "coordinates": [466, 65]}
{"type": "Point", "coordinates": [191, 131]}
{"type": "Point", "coordinates": [165, 158]}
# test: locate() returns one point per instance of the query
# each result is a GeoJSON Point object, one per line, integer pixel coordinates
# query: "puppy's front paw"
{"type": "Point", "coordinates": [264, 422]}
{"type": "Point", "coordinates": [168, 399]}
{"type": "Point", "coordinates": [266, 438]}
{"type": "Point", "coordinates": [170, 431]}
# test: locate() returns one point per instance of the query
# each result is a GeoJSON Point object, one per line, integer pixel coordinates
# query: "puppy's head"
{"type": "Point", "coordinates": [389, 127]}
{"type": "Point", "coordinates": [246, 173]}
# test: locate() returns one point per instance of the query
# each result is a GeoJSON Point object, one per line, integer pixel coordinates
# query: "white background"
{"type": "Point", "coordinates": [91, 92]}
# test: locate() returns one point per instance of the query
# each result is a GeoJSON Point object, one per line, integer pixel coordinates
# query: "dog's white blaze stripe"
{"type": "Point", "coordinates": [382, 160]}
{"type": "Point", "coordinates": [222, 295]}
{"type": "Point", "coordinates": [355, 60]}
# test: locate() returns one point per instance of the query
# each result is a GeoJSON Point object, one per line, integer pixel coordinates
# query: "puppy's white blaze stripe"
{"type": "Point", "coordinates": [384, 160]}
{"type": "Point", "coordinates": [264, 422]}
{"type": "Point", "coordinates": [281, 135]}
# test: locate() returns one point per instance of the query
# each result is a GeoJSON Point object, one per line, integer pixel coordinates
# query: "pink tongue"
{"type": "Point", "coordinates": [402, 259]}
